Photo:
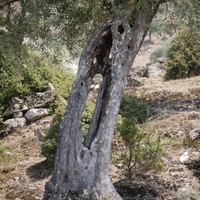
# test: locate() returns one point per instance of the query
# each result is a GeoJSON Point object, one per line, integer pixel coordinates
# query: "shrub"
{"type": "Point", "coordinates": [132, 107]}
{"type": "Point", "coordinates": [22, 80]}
{"type": "Point", "coordinates": [183, 58]}
{"type": "Point", "coordinates": [32, 76]}
{"type": "Point", "coordinates": [86, 117]}
{"type": "Point", "coordinates": [144, 149]}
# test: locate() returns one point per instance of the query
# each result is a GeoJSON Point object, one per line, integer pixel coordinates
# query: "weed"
{"type": "Point", "coordinates": [144, 150]}
{"type": "Point", "coordinates": [6, 154]}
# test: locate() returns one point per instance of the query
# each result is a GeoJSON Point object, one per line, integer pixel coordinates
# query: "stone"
{"type": "Point", "coordinates": [18, 114]}
{"type": "Point", "coordinates": [15, 123]}
{"type": "Point", "coordinates": [15, 106]}
{"type": "Point", "coordinates": [32, 188]}
{"type": "Point", "coordinates": [40, 132]}
{"type": "Point", "coordinates": [196, 153]}
{"type": "Point", "coordinates": [95, 87]}
{"type": "Point", "coordinates": [184, 158]}
{"type": "Point", "coordinates": [140, 71]}
{"type": "Point", "coordinates": [41, 127]}
{"type": "Point", "coordinates": [194, 134]}
{"type": "Point", "coordinates": [50, 87]}
{"type": "Point", "coordinates": [16, 178]}
{"type": "Point", "coordinates": [157, 68]}
{"type": "Point", "coordinates": [37, 100]}
{"type": "Point", "coordinates": [192, 137]}
{"type": "Point", "coordinates": [42, 99]}
{"type": "Point", "coordinates": [35, 114]}
{"type": "Point", "coordinates": [193, 115]}
{"type": "Point", "coordinates": [187, 193]}
{"type": "Point", "coordinates": [136, 76]}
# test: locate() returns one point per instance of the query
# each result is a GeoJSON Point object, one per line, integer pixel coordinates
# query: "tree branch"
{"type": "Point", "coordinates": [164, 1]}
{"type": "Point", "coordinates": [4, 4]}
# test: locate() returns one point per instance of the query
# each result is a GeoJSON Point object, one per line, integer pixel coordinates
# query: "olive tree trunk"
{"type": "Point", "coordinates": [81, 169]}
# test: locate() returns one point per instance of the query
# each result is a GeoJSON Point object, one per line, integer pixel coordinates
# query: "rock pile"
{"type": "Point", "coordinates": [26, 109]}
{"type": "Point", "coordinates": [138, 74]}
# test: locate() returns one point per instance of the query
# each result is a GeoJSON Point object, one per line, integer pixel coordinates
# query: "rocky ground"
{"type": "Point", "coordinates": [23, 171]}
{"type": "Point", "coordinates": [176, 115]}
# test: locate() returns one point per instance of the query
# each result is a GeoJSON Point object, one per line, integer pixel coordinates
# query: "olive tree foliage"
{"type": "Point", "coordinates": [72, 22]}
{"type": "Point", "coordinates": [19, 19]}
{"type": "Point", "coordinates": [187, 14]}
{"type": "Point", "coordinates": [183, 14]}
{"type": "Point", "coordinates": [49, 20]}
{"type": "Point", "coordinates": [176, 16]}
{"type": "Point", "coordinates": [47, 25]}
{"type": "Point", "coordinates": [38, 31]}
{"type": "Point", "coordinates": [81, 169]}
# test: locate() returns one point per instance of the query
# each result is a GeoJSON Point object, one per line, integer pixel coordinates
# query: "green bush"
{"type": "Point", "coordinates": [132, 107]}
{"type": "Point", "coordinates": [22, 80]}
{"type": "Point", "coordinates": [183, 58]}
{"type": "Point", "coordinates": [86, 117]}
{"type": "Point", "coordinates": [31, 76]}
{"type": "Point", "coordinates": [144, 149]}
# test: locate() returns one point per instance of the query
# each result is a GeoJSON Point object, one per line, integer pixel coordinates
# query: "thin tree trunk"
{"type": "Point", "coordinates": [81, 170]}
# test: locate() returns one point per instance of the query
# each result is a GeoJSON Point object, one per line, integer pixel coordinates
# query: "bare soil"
{"type": "Point", "coordinates": [24, 172]}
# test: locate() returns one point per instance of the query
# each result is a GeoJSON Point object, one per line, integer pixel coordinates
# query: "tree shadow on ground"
{"type": "Point", "coordinates": [194, 166]}
{"type": "Point", "coordinates": [39, 171]}
{"type": "Point", "coordinates": [144, 187]}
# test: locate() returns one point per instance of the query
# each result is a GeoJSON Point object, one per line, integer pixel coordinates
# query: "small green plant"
{"type": "Point", "coordinates": [144, 150]}
{"type": "Point", "coordinates": [86, 117]}
{"type": "Point", "coordinates": [132, 107]}
{"type": "Point", "coordinates": [6, 154]}
{"type": "Point", "coordinates": [183, 58]}
{"type": "Point", "coordinates": [172, 142]}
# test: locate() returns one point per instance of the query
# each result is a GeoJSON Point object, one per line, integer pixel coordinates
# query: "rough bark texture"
{"type": "Point", "coordinates": [82, 169]}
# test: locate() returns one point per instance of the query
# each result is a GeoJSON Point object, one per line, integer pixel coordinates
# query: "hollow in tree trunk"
{"type": "Point", "coordinates": [81, 169]}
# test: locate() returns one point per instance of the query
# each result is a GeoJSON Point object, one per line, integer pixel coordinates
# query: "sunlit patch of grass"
{"type": "Point", "coordinates": [173, 142]}
{"type": "Point", "coordinates": [6, 154]}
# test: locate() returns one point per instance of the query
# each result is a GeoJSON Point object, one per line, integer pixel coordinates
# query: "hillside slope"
{"type": "Point", "coordinates": [23, 172]}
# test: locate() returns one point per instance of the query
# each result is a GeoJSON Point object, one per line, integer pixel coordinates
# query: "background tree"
{"type": "Point", "coordinates": [183, 60]}
{"type": "Point", "coordinates": [186, 14]}
{"type": "Point", "coordinates": [175, 16]}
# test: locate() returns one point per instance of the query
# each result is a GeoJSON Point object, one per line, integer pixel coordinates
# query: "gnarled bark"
{"type": "Point", "coordinates": [82, 169]}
